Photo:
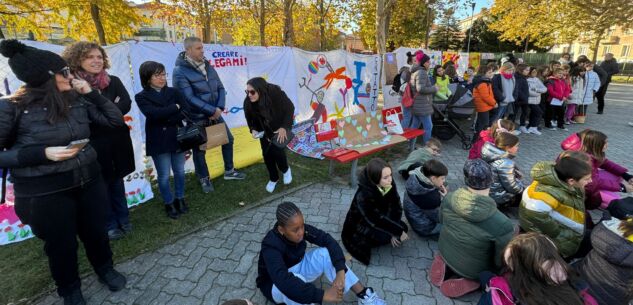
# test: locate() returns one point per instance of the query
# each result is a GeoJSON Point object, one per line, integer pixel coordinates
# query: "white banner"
{"type": "Point", "coordinates": [335, 84]}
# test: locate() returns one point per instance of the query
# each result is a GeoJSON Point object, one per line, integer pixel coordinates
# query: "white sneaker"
{"type": "Point", "coordinates": [534, 130]}
{"type": "Point", "coordinates": [553, 122]}
{"type": "Point", "coordinates": [631, 124]}
{"type": "Point", "coordinates": [371, 298]}
{"type": "Point", "coordinates": [516, 132]}
{"type": "Point", "coordinates": [270, 187]}
{"type": "Point", "coordinates": [287, 176]}
{"type": "Point", "coordinates": [523, 129]}
{"type": "Point", "coordinates": [564, 129]}
{"type": "Point", "coordinates": [553, 128]}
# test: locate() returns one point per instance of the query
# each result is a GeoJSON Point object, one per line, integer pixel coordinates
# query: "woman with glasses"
{"type": "Point", "coordinates": [59, 189]}
{"type": "Point", "coordinates": [88, 61]}
{"type": "Point", "coordinates": [162, 108]}
{"type": "Point", "coordinates": [269, 115]}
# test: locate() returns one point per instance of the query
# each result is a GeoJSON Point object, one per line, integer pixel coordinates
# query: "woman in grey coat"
{"type": "Point", "coordinates": [423, 92]}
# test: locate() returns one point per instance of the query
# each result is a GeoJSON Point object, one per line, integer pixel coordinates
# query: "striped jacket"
{"type": "Point", "coordinates": [551, 207]}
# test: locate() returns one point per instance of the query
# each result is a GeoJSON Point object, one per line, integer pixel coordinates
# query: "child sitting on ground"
{"type": "Point", "coordinates": [607, 177]}
{"type": "Point", "coordinates": [488, 136]}
{"type": "Point", "coordinates": [286, 271]}
{"type": "Point", "coordinates": [535, 274]}
{"type": "Point", "coordinates": [554, 203]}
{"type": "Point", "coordinates": [507, 185]}
{"type": "Point", "coordinates": [416, 158]}
{"type": "Point", "coordinates": [375, 215]}
{"type": "Point", "coordinates": [608, 268]}
{"type": "Point", "coordinates": [473, 234]}
{"type": "Point", "coordinates": [425, 191]}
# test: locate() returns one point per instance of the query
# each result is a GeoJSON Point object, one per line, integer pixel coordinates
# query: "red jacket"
{"type": "Point", "coordinates": [557, 88]}
{"type": "Point", "coordinates": [475, 151]}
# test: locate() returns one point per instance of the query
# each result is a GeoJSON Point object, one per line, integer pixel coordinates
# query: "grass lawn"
{"type": "Point", "coordinates": [26, 269]}
{"type": "Point", "coordinates": [622, 79]}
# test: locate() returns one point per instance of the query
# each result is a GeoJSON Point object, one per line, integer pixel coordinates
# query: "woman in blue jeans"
{"type": "Point", "coordinates": [163, 106]}
{"type": "Point", "coordinates": [422, 109]}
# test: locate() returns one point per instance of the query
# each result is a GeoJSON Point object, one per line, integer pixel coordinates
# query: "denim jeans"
{"type": "Point", "coordinates": [164, 163]}
{"type": "Point", "coordinates": [200, 162]}
{"type": "Point", "coordinates": [117, 213]}
{"type": "Point", "coordinates": [406, 117]}
{"type": "Point", "coordinates": [427, 124]}
{"type": "Point", "coordinates": [498, 113]}
{"type": "Point", "coordinates": [314, 264]}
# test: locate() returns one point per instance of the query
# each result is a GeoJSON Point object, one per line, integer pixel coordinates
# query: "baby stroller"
{"type": "Point", "coordinates": [459, 106]}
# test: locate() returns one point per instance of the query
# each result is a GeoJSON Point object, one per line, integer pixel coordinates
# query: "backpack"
{"type": "Point", "coordinates": [498, 292]}
{"type": "Point", "coordinates": [407, 96]}
{"type": "Point", "coordinates": [397, 82]}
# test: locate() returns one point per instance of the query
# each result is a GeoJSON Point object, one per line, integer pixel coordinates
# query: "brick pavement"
{"type": "Point", "coordinates": [220, 262]}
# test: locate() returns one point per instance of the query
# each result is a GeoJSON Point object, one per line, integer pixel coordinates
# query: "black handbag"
{"type": "Point", "coordinates": [191, 135]}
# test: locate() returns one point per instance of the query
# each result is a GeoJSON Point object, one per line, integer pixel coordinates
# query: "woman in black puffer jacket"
{"type": "Point", "coordinates": [58, 187]}
{"type": "Point", "coordinates": [608, 268]}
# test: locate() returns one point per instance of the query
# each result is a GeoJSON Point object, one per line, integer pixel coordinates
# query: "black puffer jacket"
{"type": "Point", "coordinates": [268, 115]}
{"type": "Point", "coordinates": [32, 173]}
{"type": "Point", "coordinates": [372, 219]}
{"type": "Point", "coordinates": [608, 268]}
{"type": "Point", "coordinates": [522, 89]}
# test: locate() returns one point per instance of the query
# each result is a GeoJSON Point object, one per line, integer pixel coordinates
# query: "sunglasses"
{"type": "Point", "coordinates": [65, 72]}
{"type": "Point", "coordinates": [250, 92]}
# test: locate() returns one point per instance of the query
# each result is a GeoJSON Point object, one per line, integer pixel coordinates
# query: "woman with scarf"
{"type": "Point", "coordinates": [88, 61]}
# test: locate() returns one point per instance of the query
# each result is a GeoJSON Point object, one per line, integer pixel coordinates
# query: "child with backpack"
{"type": "Point", "coordinates": [535, 274]}
{"type": "Point", "coordinates": [488, 136]}
{"type": "Point", "coordinates": [483, 97]}
{"type": "Point", "coordinates": [424, 193]}
{"type": "Point", "coordinates": [400, 82]}
{"type": "Point", "coordinates": [507, 185]}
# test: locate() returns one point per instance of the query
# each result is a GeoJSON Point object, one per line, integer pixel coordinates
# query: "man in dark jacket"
{"type": "Point", "coordinates": [205, 93]}
{"type": "Point", "coordinates": [609, 67]}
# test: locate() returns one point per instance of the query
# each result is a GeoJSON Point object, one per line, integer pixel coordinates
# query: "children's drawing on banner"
{"type": "Point", "coordinates": [332, 88]}
{"type": "Point", "coordinates": [450, 56]}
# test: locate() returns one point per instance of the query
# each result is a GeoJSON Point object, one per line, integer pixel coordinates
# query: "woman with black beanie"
{"type": "Point", "coordinates": [59, 190]}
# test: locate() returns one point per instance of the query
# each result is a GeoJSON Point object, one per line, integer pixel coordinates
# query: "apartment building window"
{"type": "Point", "coordinates": [582, 50]}
{"type": "Point", "coordinates": [606, 49]}
{"type": "Point", "coordinates": [625, 51]}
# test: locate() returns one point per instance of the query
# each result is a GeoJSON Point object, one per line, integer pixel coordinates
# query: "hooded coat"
{"type": "Point", "coordinates": [506, 178]}
{"type": "Point", "coordinates": [421, 203]}
{"type": "Point", "coordinates": [423, 89]}
{"type": "Point", "coordinates": [536, 88]}
{"type": "Point", "coordinates": [420, 156]}
{"type": "Point", "coordinates": [522, 89]}
{"type": "Point", "coordinates": [372, 219]}
{"type": "Point", "coordinates": [483, 96]}
{"type": "Point", "coordinates": [608, 268]}
{"type": "Point", "coordinates": [474, 233]}
{"type": "Point", "coordinates": [552, 207]}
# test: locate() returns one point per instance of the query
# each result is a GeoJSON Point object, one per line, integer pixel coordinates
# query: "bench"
{"type": "Point", "coordinates": [345, 155]}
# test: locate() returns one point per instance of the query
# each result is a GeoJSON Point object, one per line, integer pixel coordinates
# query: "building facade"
{"type": "Point", "coordinates": [618, 40]}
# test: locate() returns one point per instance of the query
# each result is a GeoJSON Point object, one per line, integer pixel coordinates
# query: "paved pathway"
{"type": "Point", "coordinates": [220, 262]}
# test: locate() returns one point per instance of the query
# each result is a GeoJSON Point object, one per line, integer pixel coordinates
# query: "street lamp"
{"type": "Point", "coordinates": [470, 30]}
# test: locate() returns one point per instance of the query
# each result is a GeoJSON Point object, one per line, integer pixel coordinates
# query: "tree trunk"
{"type": "Point", "coordinates": [596, 46]}
{"type": "Point", "coordinates": [94, 12]}
{"type": "Point", "coordinates": [289, 32]}
{"type": "Point", "coordinates": [206, 29]}
{"type": "Point", "coordinates": [1, 34]}
{"type": "Point", "coordinates": [322, 14]}
{"type": "Point", "coordinates": [382, 9]}
{"type": "Point", "coordinates": [388, 16]}
{"type": "Point", "coordinates": [262, 22]}
{"type": "Point", "coordinates": [427, 34]}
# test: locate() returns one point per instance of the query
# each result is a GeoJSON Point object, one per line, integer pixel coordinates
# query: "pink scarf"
{"type": "Point", "coordinates": [98, 81]}
{"type": "Point", "coordinates": [506, 75]}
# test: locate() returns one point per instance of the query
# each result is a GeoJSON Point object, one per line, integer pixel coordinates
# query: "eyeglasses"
{"type": "Point", "coordinates": [65, 72]}
{"type": "Point", "coordinates": [250, 92]}
{"type": "Point", "coordinates": [160, 75]}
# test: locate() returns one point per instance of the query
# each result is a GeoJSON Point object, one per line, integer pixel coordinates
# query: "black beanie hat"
{"type": "Point", "coordinates": [30, 65]}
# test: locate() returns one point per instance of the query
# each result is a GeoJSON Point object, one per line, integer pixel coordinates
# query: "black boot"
{"type": "Point", "coordinates": [74, 298]}
{"type": "Point", "coordinates": [181, 206]}
{"type": "Point", "coordinates": [171, 211]}
{"type": "Point", "coordinates": [113, 279]}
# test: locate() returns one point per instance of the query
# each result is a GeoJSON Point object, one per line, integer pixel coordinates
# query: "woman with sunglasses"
{"type": "Point", "coordinates": [115, 154]}
{"type": "Point", "coordinates": [59, 190]}
{"type": "Point", "coordinates": [269, 114]}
